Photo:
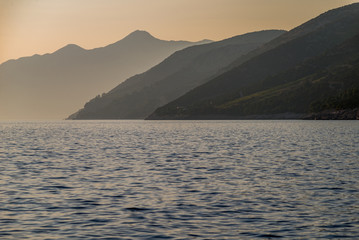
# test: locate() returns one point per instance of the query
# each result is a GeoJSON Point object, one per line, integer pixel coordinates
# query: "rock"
{"type": "Point", "coordinates": [343, 114]}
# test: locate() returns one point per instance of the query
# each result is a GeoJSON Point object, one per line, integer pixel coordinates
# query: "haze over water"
{"type": "Point", "coordinates": [179, 180]}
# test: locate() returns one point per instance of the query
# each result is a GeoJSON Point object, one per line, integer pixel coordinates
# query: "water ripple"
{"type": "Point", "coordinates": [179, 180]}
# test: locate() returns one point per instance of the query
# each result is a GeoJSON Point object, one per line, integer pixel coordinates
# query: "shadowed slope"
{"type": "Point", "coordinates": [142, 94]}
{"type": "Point", "coordinates": [282, 54]}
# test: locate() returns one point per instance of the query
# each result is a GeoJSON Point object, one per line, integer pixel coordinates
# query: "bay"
{"type": "Point", "coordinates": [179, 180]}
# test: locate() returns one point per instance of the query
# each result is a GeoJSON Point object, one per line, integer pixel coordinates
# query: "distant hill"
{"type": "Point", "coordinates": [140, 95]}
{"type": "Point", "coordinates": [53, 85]}
{"type": "Point", "coordinates": [287, 77]}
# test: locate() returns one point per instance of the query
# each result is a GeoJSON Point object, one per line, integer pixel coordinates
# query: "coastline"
{"type": "Point", "coordinates": [332, 114]}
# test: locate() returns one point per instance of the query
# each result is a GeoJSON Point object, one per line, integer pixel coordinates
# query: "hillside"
{"type": "Point", "coordinates": [286, 77]}
{"type": "Point", "coordinates": [140, 95]}
{"type": "Point", "coordinates": [305, 88]}
{"type": "Point", "coordinates": [53, 85]}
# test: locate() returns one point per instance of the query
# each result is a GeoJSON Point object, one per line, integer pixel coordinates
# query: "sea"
{"type": "Point", "coordinates": [134, 179]}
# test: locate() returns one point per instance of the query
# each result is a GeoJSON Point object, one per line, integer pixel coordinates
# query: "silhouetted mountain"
{"type": "Point", "coordinates": [142, 94]}
{"type": "Point", "coordinates": [53, 85]}
{"type": "Point", "coordinates": [286, 75]}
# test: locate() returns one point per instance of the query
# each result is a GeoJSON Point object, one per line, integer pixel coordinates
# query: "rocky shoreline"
{"type": "Point", "coordinates": [344, 114]}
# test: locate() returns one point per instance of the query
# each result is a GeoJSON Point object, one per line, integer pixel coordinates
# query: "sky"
{"type": "Point", "coordinates": [30, 27]}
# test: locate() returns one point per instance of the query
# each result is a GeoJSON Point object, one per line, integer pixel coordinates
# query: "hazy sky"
{"type": "Point", "coordinates": [41, 26]}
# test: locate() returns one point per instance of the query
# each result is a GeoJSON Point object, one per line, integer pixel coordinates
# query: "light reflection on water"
{"type": "Point", "coordinates": [179, 179]}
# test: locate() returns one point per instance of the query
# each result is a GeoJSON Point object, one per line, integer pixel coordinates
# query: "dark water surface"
{"type": "Point", "coordinates": [179, 180]}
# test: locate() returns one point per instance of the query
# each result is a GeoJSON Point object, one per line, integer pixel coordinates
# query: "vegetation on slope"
{"type": "Point", "coordinates": [287, 78]}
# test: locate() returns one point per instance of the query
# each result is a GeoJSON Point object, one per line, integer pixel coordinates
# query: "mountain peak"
{"type": "Point", "coordinates": [69, 48]}
{"type": "Point", "coordinates": [139, 34]}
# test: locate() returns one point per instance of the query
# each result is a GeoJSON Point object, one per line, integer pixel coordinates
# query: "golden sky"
{"type": "Point", "coordinates": [42, 26]}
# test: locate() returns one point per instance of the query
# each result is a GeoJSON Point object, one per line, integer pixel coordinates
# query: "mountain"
{"type": "Point", "coordinates": [184, 70]}
{"type": "Point", "coordinates": [281, 77]}
{"type": "Point", "coordinates": [53, 85]}
{"type": "Point", "coordinates": [330, 80]}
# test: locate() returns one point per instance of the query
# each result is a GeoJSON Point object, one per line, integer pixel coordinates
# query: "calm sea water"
{"type": "Point", "coordinates": [179, 180]}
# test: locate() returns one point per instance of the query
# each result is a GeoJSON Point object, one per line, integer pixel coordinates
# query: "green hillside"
{"type": "Point", "coordinates": [290, 78]}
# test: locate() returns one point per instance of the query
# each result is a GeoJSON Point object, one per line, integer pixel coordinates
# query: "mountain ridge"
{"type": "Point", "coordinates": [265, 63]}
{"type": "Point", "coordinates": [71, 75]}
{"type": "Point", "coordinates": [183, 70]}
